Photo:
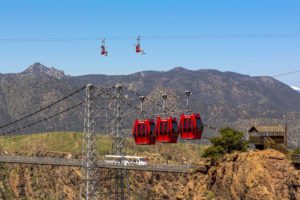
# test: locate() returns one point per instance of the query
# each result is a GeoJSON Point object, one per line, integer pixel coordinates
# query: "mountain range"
{"type": "Point", "coordinates": [220, 97]}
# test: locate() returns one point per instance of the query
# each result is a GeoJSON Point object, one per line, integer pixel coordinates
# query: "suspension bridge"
{"type": "Point", "coordinates": [93, 111]}
{"type": "Point", "coordinates": [171, 168]}
{"type": "Point", "coordinates": [96, 101]}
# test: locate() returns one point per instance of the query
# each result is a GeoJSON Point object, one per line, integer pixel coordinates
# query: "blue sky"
{"type": "Point", "coordinates": [71, 18]}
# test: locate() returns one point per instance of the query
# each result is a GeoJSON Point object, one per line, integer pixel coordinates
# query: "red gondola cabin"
{"type": "Point", "coordinates": [190, 126]}
{"type": "Point", "coordinates": [143, 132]}
{"type": "Point", "coordinates": [166, 130]}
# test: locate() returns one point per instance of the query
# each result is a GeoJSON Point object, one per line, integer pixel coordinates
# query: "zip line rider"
{"type": "Point", "coordinates": [138, 46]}
{"type": "Point", "coordinates": [103, 49]}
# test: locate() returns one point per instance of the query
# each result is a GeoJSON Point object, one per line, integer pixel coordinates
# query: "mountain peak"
{"type": "Point", "coordinates": [38, 68]}
{"type": "Point", "coordinates": [178, 69]}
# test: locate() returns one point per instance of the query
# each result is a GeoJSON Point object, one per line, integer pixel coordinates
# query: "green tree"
{"type": "Point", "coordinates": [229, 141]}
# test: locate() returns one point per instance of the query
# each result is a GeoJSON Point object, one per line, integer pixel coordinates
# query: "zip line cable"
{"type": "Point", "coordinates": [166, 37]}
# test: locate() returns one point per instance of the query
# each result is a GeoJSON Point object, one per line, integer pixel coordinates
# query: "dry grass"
{"type": "Point", "coordinates": [71, 142]}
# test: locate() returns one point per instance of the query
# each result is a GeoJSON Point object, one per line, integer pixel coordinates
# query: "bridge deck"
{"type": "Point", "coordinates": [100, 164]}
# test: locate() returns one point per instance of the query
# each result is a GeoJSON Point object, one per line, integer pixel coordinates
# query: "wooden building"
{"type": "Point", "coordinates": [257, 133]}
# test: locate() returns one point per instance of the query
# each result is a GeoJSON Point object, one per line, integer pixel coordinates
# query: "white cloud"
{"type": "Point", "coordinates": [295, 88]}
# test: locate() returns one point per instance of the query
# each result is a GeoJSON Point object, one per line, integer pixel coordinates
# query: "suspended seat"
{"type": "Point", "coordinates": [166, 130]}
{"type": "Point", "coordinates": [190, 126]}
{"type": "Point", "coordinates": [143, 132]}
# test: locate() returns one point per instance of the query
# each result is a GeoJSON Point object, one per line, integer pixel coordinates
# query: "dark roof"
{"type": "Point", "coordinates": [266, 129]}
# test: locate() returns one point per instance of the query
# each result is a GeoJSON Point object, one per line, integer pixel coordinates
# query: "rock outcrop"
{"type": "Point", "coordinates": [38, 68]}
{"type": "Point", "coordinates": [254, 175]}
{"type": "Point", "coordinates": [263, 175]}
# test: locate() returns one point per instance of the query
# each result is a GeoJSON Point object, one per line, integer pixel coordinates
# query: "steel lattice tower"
{"type": "Point", "coordinates": [120, 144]}
{"type": "Point", "coordinates": [89, 150]}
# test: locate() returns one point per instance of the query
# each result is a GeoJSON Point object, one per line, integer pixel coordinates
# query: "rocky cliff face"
{"type": "Point", "coordinates": [255, 175]}
{"type": "Point", "coordinates": [263, 175]}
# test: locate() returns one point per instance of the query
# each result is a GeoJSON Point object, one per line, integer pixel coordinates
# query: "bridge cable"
{"type": "Point", "coordinates": [43, 108]}
{"type": "Point", "coordinates": [44, 119]}
{"type": "Point", "coordinates": [50, 117]}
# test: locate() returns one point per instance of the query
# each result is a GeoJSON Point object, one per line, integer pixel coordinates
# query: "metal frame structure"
{"type": "Point", "coordinates": [121, 175]}
{"type": "Point", "coordinates": [89, 149]}
{"type": "Point", "coordinates": [151, 167]}
{"type": "Point", "coordinates": [89, 163]}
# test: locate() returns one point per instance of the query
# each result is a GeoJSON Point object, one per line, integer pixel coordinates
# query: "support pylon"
{"type": "Point", "coordinates": [89, 150]}
{"type": "Point", "coordinates": [120, 174]}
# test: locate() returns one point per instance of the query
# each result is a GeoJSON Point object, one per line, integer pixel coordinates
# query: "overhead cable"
{"type": "Point", "coordinates": [134, 92]}
{"type": "Point", "coordinates": [284, 74]}
{"type": "Point", "coordinates": [157, 37]}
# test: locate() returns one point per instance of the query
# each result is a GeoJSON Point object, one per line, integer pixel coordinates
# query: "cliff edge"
{"type": "Point", "coordinates": [263, 175]}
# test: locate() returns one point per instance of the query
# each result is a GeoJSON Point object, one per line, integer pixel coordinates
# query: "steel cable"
{"type": "Point", "coordinates": [52, 116]}
{"type": "Point", "coordinates": [134, 92]}
{"type": "Point", "coordinates": [42, 109]}
{"type": "Point", "coordinates": [44, 119]}
{"type": "Point", "coordinates": [166, 37]}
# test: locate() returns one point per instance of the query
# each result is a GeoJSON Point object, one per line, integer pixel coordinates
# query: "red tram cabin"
{"type": "Point", "coordinates": [143, 132]}
{"type": "Point", "coordinates": [190, 126]}
{"type": "Point", "coordinates": [166, 130]}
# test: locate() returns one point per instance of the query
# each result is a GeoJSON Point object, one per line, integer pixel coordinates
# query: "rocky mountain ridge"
{"type": "Point", "coordinates": [210, 86]}
{"type": "Point", "coordinates": [221, 97]}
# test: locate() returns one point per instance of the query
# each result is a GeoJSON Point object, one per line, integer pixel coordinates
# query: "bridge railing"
{"type": "Point", "coordinates": [100, 164]}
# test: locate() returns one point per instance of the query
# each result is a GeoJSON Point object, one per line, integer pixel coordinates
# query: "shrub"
{"type": "Point", "coordinates": [229, 141]}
